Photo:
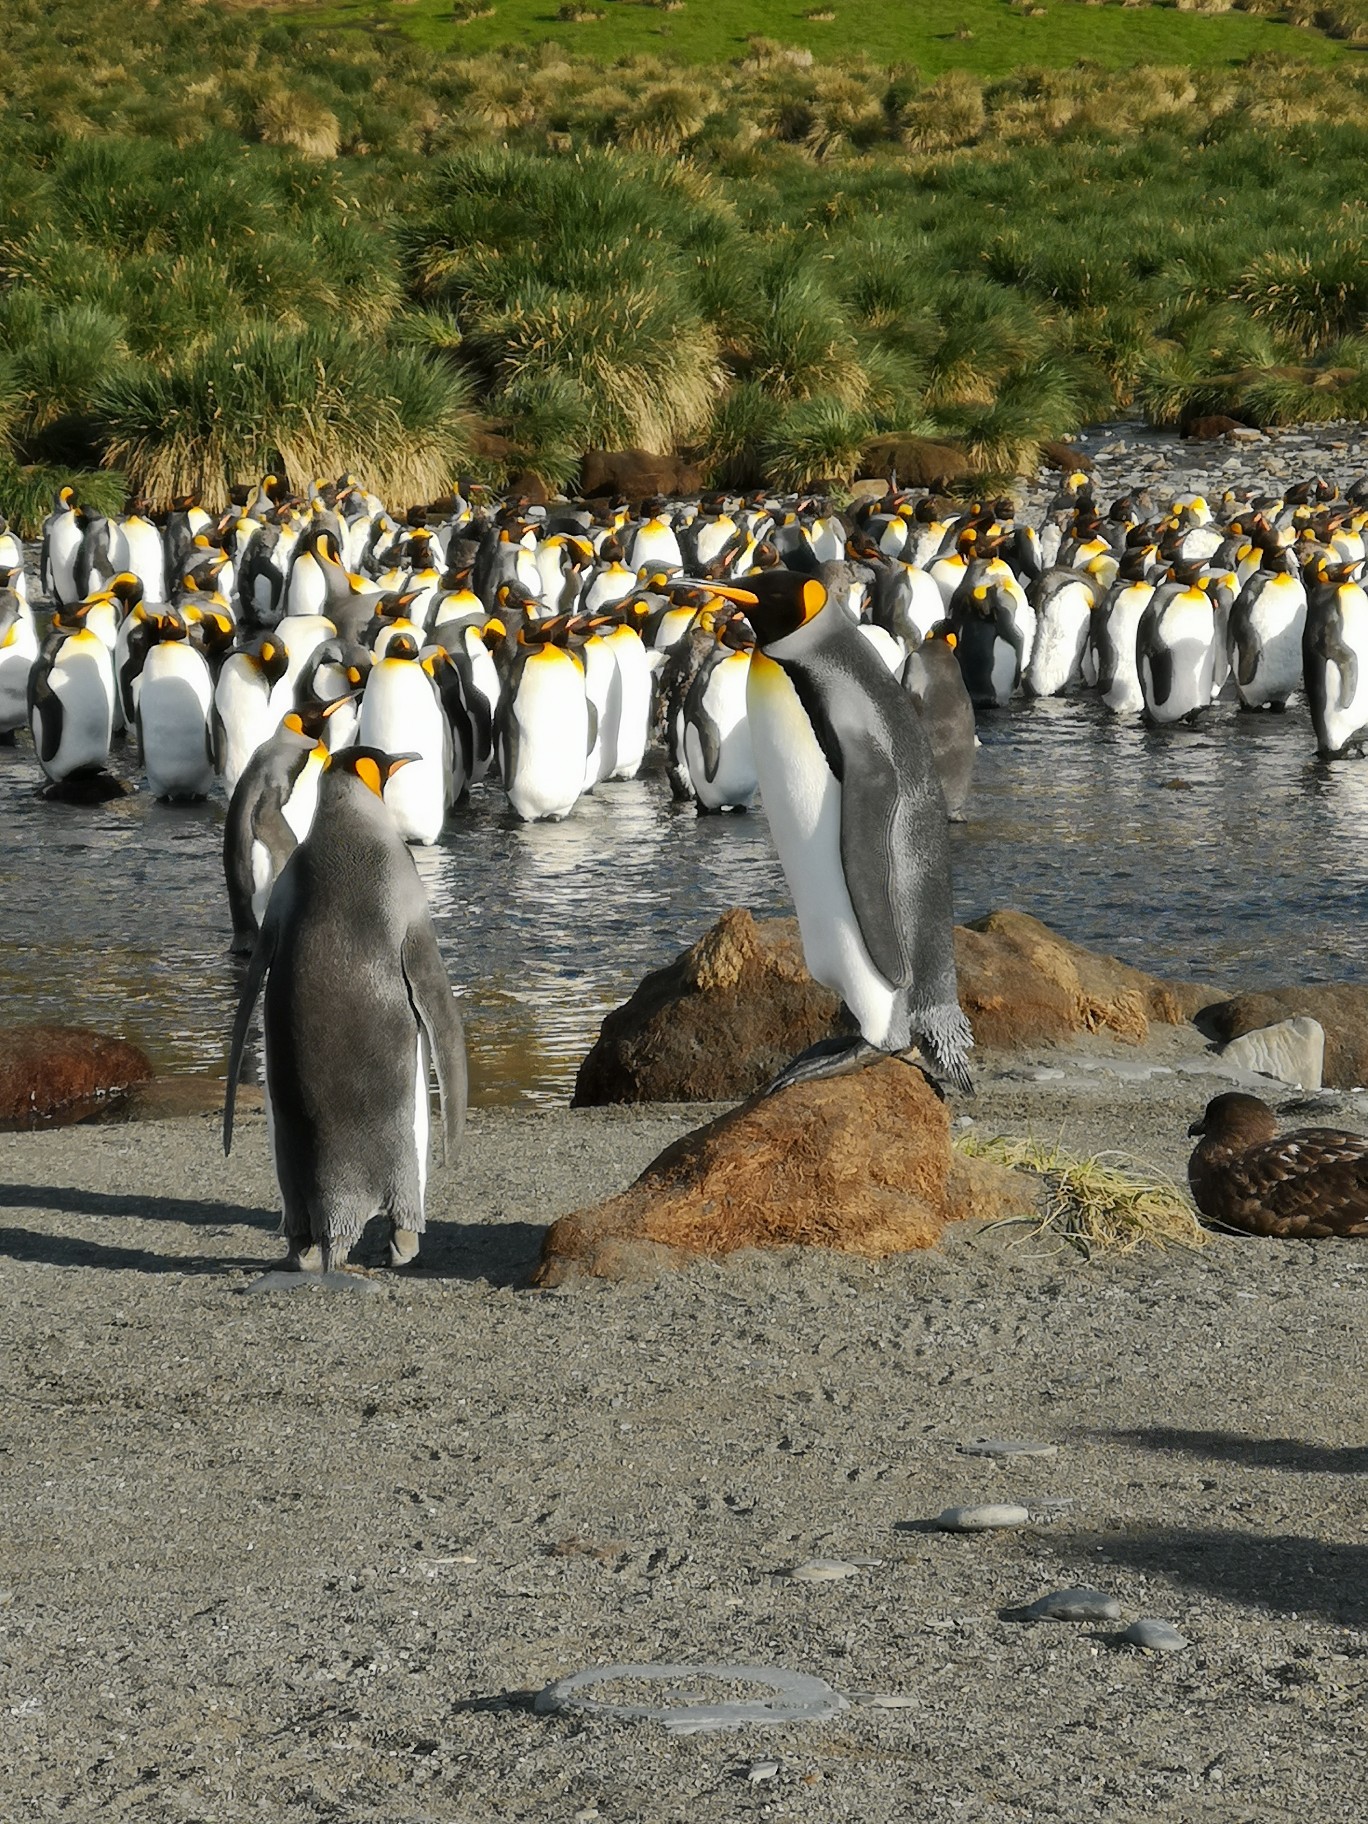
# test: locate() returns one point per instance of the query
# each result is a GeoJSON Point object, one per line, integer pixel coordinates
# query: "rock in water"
{"type": "Point", "coordinates": [45, 1069]}
{"type": "Point", "coordinates": [720, 1021]}
{"type": "Point", "coordinates": [730, 1012]}
{"type": "Point", "coordinates": [860, 1163]}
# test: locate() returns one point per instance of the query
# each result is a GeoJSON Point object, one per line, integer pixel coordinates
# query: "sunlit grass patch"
{"type": "Point", "coordinates": [1101, 1203]}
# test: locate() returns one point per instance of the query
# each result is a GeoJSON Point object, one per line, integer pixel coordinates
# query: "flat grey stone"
{"type": "Point", "coordinates": [1155, 1636]}
{"type": "Point", "coordinates": [1292, 1051]}
{"type": "Point", "coordinates": [1008, 1447]}
{"type": "Point", "coordinates": [823, 1570]}
{"type": "Point", "coordinates": [984, 1518]}
{"type": "Point", "coordinates": [281, 1280]}
{"type": "Point", "coordinates": [798, 1697]}
{"type": "Point", "coordinates": [1073, 1605]}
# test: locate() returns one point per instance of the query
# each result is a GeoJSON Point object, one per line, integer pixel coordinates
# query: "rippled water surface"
{"type": "Point", "coordinates": [1222, 853]}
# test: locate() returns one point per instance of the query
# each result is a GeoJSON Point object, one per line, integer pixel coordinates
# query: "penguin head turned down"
{"type": "Point", "coordinates": [777, 602]}
{"type": "Point", "coordinates": [370, 765]}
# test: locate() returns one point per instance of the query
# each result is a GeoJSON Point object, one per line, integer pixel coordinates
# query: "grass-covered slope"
{"type": "Point", "coordinates": [984, 37]}
{"type": "Point", "coordinates": [229, 242]}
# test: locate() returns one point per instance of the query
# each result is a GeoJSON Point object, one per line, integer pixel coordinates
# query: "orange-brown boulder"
{"type": "Point", "coordinates": [45, 1069]}
{"type": "Point", "coordinates": [636, 475]}
{"type": "Point", "coordinates": [725, 1017]}
{"type": "Point", "coordinates": [1022, 984]}
{"type": "Point", "coordinates": [918, 462]}
{"type": "Point", "coordinates": [860, 1163]}
{"type": "Point", "coordinates": [1341, 1008]}
{"type": "Point", "coordinates": [720, 1021]}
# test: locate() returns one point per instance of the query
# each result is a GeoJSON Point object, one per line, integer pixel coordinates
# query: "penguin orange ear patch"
{"type": "Point", "coordinates": [814, 598]}
{"type": "Point", "coordinates": [369, 774]}
{"type": "Point", "coordinates": [294, 723]}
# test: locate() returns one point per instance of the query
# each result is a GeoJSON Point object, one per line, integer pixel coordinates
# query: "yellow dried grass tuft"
{"type": "Point", "coordinates": [1104, 1203]}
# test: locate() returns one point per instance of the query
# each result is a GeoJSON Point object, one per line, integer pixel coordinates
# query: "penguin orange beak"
{"type": "Point", "coordinates": [744, 598]}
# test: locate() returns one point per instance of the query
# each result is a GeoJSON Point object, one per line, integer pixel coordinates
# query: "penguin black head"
{"type": "Point", "coordinates": [942, 631]}
{"type": "Point", "coordinates": [402, 646]}
{"type": "Point", "coordinates": [777, 602]}
{"type": "Point", "coordinates": [271, 656]}
{"type": "Point", "coordinates": [371, 765]}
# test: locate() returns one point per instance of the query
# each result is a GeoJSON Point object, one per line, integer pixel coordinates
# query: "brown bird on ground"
{"type": "Point", "coordinates": [1310, 1184]}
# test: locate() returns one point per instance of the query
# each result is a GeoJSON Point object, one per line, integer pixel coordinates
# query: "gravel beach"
{"type": "Point", "coordinates": [308, 1555]}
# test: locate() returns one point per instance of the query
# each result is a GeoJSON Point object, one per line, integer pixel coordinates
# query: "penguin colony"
{"type": "Point", "coordinates": [345, 676]}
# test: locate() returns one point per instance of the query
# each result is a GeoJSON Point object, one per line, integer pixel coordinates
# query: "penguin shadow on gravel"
{"type": "Point", "coordinates": [499, 1254]}
{"type": "Point", "coordinates": [211, 1219]}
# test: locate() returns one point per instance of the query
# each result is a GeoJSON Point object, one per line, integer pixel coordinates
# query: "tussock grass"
{"type": "Point", "coordinates": [1104, 1203]}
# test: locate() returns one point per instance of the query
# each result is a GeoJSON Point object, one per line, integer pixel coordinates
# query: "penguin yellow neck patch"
{"type": "Point", "coordinates": [369, 774]}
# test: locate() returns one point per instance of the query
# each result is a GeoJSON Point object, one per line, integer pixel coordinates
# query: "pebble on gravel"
{"type": "Point", "coordinates": [822, 1570]}
{"type": "Point", "coordinates": [1008, 1447]}
{"type": "Point", "coordinates": [982, 1519]}
{"type": "Point", "coordinates": [281, 1279]}
{"type": "Point", "coordinates": [1155, 1636]}
{"type": "Point", "coordinates": [1071, 1605]}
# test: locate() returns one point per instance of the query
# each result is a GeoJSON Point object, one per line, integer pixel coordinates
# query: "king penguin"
{"type": "Point", "coordinates": [1335, 660]}
{"type": "Point", "coordinates": [858, 816]}
{"type": "Point", "coordinates": [933, 680]}
{"type": "Point", "coordinates": [357, 1005]}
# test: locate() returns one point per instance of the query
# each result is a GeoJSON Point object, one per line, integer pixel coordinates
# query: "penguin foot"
{"type": "Point", "coordinates": [403, 1247]}
{"type": "Point", "coordinates": [305, 1260]}
{"type": "Point", "coordinates": [827, 1058]}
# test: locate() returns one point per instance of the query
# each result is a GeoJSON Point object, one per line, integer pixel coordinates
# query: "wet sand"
{"type": "Point", "coordinates": [304, 1555]}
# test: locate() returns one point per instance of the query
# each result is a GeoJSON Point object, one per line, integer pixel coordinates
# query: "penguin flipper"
{"type": "Point", "coordinates": [45, 715]}
{"type": "Point", "coordinates": [709, 734]}
{"type": "Point", "coordinates": [263, 955]}
{"type": "Point", "coordinates": [593, 721]}
{"type": "Point", "coordinates": [1246, 651]}
{"type": "Point", "coordinates": [430, 996]}
{"type": "Point", "coordinates": [1161, 672]}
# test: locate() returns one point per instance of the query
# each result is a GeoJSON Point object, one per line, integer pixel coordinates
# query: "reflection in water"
{"type": "Point", "coordinates": [1224, 852]}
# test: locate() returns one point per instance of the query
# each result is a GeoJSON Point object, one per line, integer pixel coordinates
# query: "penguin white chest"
{"type": "Point", "coordinates": [400, 713]}
{"type": "Point", "coordinates": [173, 719]}
{"type": "Point", "coordinates": [802, 800]}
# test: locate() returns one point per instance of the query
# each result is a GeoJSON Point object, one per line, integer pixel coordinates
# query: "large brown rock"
{"type": "Point", "coordinates": [725, 1017]}
{"type": "Point", "coordinates": [636, 474]}
{"type": "Point", "coordinates": [45, 1069]}
{"type": "Point", "coordinates": [1021, 984]}
{"type": "Point", "coordinates": [918, 462]}
{"type": "Point", "coordinates": [1341, 1008]}
{"type": "Point", "coordinates": [720, 1021]}
{"type": "Point", "coordinates": [860, 1163]}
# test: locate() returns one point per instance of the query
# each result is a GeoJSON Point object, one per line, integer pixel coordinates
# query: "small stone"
{"type": "Point", "coordinates": [281, 1279]}
{"type": "Point", "coordinates": [1073, 1605]}
{"type": "Point", "coordinates": [760, 1771]}
{"type": "Point", "coordinates": [1008, 1447]}
{"type": "Point", "coordinates": [1155, 1636]}
{"type": "Point", "coordinates": [1292, 1051]}
{"type": "Point", "coordinates": [822, 1570]}
{"type": "Point", "coordinates": [888, 1700]}
{"type": "Point", "coordinates": [982, 1519]}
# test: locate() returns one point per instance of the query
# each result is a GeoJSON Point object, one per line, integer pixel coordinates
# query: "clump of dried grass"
{"type": "Point", "coordinates": [1104, 1203]}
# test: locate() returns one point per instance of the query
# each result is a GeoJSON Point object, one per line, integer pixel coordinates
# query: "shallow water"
{"type": "Point", "coordinates": [1223, 853]}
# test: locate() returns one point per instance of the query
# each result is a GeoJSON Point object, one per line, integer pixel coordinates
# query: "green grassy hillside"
{"type": "Point", "coordinates": [987, 37]}
{"type": "Point", "coordinates": [230, 242]}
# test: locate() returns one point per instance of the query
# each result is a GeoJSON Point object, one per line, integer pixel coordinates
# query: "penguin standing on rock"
{"type": "Point", "coordinates": [358, 1005]}
{"type": "Point", "coordinates": [858, 816]}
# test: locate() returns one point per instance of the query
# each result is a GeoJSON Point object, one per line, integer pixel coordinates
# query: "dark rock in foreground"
{"type": "Point", "coordinates": [45, 1069]}
{"type": "Point", "coordinates": [860, 1163]}
{"type": "Point", "coordinates": [1341, 1008]}
{"type": "Point", "coordinates": [725, 1017]}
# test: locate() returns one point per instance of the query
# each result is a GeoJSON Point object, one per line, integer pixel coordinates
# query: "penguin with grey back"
{"type": "Point", "coordinates": [357, 1002]}
{"type": "Point", "coordinates": [858, 816]}
{"type": "Point", "coordinates": [933, 680]}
